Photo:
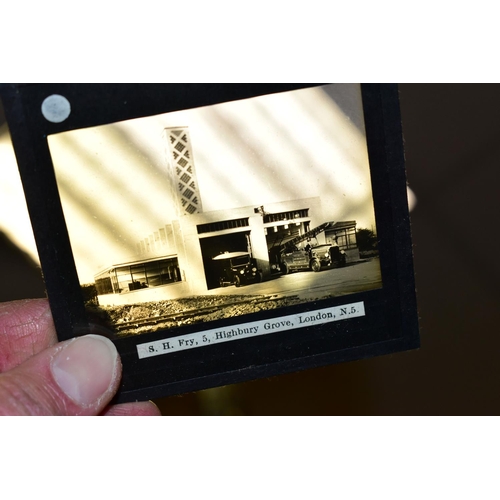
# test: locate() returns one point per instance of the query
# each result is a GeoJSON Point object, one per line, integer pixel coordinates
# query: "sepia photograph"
{"type": "Point", "coordinates": [220, 211]}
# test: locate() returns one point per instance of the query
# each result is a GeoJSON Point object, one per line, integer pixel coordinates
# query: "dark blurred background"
{"type": "Point", "coordinates": [452, 156]}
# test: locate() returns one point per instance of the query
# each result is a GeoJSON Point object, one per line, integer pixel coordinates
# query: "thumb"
{"type": "Point", "coordinates": [76, 377]}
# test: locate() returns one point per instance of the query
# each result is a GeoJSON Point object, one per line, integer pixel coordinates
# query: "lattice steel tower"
{"type": "Point", "coordinates": [182, 171]}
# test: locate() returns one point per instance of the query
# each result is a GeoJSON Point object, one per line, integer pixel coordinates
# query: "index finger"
{"type": "Point", "coordinates": [26, 328]}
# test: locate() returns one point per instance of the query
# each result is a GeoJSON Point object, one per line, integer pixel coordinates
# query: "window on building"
{"type": "Point", "coordinates": [103, 285]}
{"type": "Point", "coordinates": [138, 276]}
{"type": "Point", "coordinates": [222, 225]}
{"type": "Point", "coordinates": [281, 216]}
{"type": "Point", "coordinates": [345, 238]}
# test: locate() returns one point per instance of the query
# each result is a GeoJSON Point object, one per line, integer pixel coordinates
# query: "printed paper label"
{"type": "Point", "coordinates": [252, 329]}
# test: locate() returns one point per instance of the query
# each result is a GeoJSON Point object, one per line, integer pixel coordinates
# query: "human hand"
{"type": "Point", "coordinates": [39, 376]}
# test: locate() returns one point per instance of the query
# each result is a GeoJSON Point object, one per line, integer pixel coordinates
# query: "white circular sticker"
{"type": "Point", "coordinates": [56, 108]}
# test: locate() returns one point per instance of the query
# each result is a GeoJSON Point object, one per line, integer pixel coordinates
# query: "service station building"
{"type": "Point", "coordinates": [177, 260]}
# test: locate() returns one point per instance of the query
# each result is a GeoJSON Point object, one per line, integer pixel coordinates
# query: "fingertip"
{"type": "Point", "coordinates": [137, 409]}
{"type": "Point", "coordinates": [87, 369]}
{"type": "Point", "coordinates": [76, 377]}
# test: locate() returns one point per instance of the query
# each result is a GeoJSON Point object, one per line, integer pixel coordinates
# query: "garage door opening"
{"type": "Point", "coordinates": [216, 245]}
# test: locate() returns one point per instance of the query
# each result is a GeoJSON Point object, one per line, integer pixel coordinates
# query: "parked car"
{"type": "Point", "coordinates": [312, 258]}
{"type": "Point", "coordinates": [239, 269]}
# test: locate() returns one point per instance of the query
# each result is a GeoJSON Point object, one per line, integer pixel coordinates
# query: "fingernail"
{"type": "Point", "coordinates": [86, 368]}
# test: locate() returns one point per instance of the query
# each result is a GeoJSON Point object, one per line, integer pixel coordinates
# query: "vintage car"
{"type": "Point", "coordinates": [239, 268]}
{"type": "Point", "coordinates": [312, 258]}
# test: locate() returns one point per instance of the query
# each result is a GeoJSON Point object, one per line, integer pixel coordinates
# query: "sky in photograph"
{"type": "Point", "coordinates": [116, 189]}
